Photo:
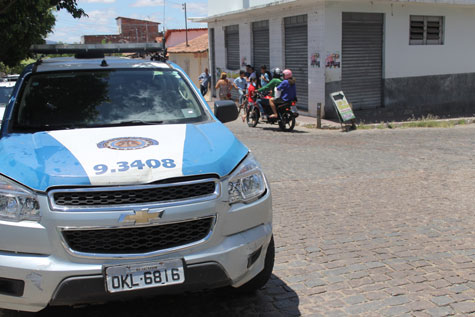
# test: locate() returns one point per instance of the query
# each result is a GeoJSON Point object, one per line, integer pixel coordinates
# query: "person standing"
{"type": "Point", "coordinates": [251, 94]}
{"type": "Point", "coordinates": [250, 73]}
{"type": "Point", "coordinates": [240, 84]}
{"type": "Point", "coordinates": [205, 82]}
{"type": "Point", "coordinates": [223, 85]}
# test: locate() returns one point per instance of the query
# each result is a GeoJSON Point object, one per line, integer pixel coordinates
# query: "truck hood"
{"type": "Point", "coordinates": [119, 155]}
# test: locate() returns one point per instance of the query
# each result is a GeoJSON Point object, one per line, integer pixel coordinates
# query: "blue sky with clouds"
{"type": "Point", "coordinates": [102, 14]}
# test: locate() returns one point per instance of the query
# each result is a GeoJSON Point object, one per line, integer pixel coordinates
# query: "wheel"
{"type": "Point", "coordinates": [261, 279]}
{"type": "Point", "coordinates": [252, 117]}
{"type": "Point", "coordinates": [287, 123]}
{"type": "Point", "coordinates": [242, 107]}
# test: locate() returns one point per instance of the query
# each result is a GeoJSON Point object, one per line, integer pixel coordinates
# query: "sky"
{"type": "Point", "coordinates": [102, 14]}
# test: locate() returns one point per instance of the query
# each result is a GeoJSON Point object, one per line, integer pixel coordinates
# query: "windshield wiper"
{"type": "Point", "coordinates": [125, 123]}
{"type": "Point", "coordinates": [48, 127]}
{"type": "Point", "coordinates": [45, 127]}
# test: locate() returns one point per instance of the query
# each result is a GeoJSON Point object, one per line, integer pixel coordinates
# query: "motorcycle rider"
{"type": "Point", "coordinates": [276, 80]}
{"type": "Point", "coordinates": [287, 90]}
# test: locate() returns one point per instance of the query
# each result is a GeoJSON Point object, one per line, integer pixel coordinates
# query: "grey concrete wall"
{"type": "Point", "coordinates": [444, 96]}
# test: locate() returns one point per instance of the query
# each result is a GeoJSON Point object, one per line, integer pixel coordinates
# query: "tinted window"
{"type": "Point", "coordinates": [77, 99]}
{"type": "Point", "coordinates": [5, 94]}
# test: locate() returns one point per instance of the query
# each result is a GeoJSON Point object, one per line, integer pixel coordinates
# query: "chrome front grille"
{"type": "Point", "coordinates": [113, 197]}
{"type": "Point", "coordinates": [137, 240]}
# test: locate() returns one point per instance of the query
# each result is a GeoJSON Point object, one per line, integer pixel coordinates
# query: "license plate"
{"type": "Point", "coordinates": [144, 275]}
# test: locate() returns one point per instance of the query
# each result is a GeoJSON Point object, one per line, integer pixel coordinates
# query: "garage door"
{"type": "Point", "coordinates": [362, 59]}
{"type": "Point", "coordinates": [296, 55]}
{"type": "Point", "coordinates": [260, 44]}
{"type": "Point", "coordinates": [231, 39]}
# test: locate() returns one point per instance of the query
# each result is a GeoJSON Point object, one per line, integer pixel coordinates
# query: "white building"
{"type": "Point", "coordinates": [409, 56]}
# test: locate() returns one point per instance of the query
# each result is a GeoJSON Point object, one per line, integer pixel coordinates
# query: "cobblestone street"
{"type": "Point", "coordinates": [370, 223]}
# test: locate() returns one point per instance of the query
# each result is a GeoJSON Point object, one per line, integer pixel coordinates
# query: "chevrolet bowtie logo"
{"type": "Point", "coordinates": [143, 216]}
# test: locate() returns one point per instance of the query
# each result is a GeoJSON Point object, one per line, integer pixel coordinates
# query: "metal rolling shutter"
{"type": "Point", "coordinates": [296, 55]}
{"type": "Point", "coordinates": [362, 59]}
{"type": "Point", "coordinates": [231, 34]}
{"type": "Point", "coordinates": [260, 44]}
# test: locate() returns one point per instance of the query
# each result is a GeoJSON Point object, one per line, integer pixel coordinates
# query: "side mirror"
{"type": "Point", "coordinates": [225, 110]}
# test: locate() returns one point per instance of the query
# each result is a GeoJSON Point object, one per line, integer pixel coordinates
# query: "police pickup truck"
{"type": "Point", "coordinates": [117, 180]}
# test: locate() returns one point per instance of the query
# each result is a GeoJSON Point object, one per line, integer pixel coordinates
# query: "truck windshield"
{"type": "Point", "coordinates": [83, 99]}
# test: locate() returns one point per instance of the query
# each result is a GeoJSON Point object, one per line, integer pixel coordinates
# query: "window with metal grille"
{"type": "Point", "coordinates": [231, 41]}
{"type": "Point", "coordinates": [296, 20]}
{"type": "Point", "coordinates": [426, 30]}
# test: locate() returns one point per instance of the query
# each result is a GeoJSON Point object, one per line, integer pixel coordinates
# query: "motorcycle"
{"type": "Point", "coordinates": [286, 113]}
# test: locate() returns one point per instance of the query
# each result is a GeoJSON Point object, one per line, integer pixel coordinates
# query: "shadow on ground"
{"type": "Point", "coordinates": [277, 129]}
{"type": "Point", "coordinates": [275, 299]}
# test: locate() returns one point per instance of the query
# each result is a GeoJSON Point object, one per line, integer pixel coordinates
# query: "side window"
{"type": "Point", "coordinates": [231, 41]}
{"type": "Point", "coordinates": [426, 30]}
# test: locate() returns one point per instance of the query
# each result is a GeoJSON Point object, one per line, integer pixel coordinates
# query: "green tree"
{"type": "Point", "coordinates": [27, 22]}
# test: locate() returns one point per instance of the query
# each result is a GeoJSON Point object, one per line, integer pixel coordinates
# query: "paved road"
{"type": "Point", "coordinates": [376, 223]}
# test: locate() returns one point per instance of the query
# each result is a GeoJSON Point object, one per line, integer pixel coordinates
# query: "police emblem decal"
{"type": "Point", "coordinates": [127, 143]}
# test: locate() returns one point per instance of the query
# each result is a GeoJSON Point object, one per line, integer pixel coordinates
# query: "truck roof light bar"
{"type": "Point", "coordinates": [95, 49]}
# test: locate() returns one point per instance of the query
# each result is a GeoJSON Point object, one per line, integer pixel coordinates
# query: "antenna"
{"type": "Point", "coordinates": [93, 50]}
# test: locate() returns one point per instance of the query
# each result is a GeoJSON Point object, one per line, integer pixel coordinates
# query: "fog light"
{"type": "Point", "coordinates": [253, 257]}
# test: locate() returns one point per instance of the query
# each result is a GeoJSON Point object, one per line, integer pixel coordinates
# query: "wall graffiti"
{"type": "Point", "coordinates": [315, 60]}
{"type": "Point", "coordinates": [333, 60]}
{"type": "Point", "coordinates": [244, 61]}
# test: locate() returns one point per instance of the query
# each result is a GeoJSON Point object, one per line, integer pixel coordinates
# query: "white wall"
{"type": "Point", "coordinates": [221, 6]}
{"type": "Point", "coordinates": [400, 58]}
{"type": "Point", "coordinates": [253, 3]}
{"type": "Point", "coordinates": [192, 63]}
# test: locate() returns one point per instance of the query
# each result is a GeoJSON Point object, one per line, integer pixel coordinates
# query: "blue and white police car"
{"type": "Point", "coordinates": [117, 180]}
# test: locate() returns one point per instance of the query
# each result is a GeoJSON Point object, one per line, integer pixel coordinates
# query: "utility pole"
{"type": "Point", "coordinates": [163, 26]}
{"type": "Point", "coordinates": [146, 30]}
{"type": "Point", "coordinates": [186, 23]}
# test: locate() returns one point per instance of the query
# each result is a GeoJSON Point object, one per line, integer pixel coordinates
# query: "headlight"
{"type": "Point", "coordinates": [17, 203]}
{"type": "Point", "coordinates": [247, 182]}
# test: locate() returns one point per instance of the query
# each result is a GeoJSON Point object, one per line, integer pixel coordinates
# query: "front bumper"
{"type": "Point", "coordinates": [62, 278]}
{"type": "Point", "coordinates": [90, 289]}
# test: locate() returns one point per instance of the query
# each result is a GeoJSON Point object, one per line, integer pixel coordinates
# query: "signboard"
{"type": "Point", "coordinates": [342, 106]}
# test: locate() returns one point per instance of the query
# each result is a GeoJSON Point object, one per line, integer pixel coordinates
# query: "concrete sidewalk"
{"type": "Point", "coordinates": [302, 120]}
{"type": "Point", "coordinates": [311, 122]}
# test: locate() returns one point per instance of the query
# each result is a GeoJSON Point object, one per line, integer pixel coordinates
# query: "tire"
{"type": "Point", "coordinates": [252, 117]}
{"type": "Point", "coordinates": [261, 279]}
{"type": "Point", "coordinates": [243, 107]}
{"type": "Point", "coordinates": [287, 123]}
